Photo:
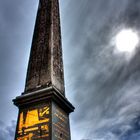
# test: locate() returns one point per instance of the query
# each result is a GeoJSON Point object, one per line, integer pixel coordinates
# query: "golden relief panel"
{"type": "Point", "coordinates": [34, 124]}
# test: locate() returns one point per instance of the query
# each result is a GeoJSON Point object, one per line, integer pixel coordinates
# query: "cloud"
{"type": "Point", "coordinates": [7, 132]}
{"type": "Point", "coordinates": [105, 84]}
{"type": "Point", "coordinates": [132, 14]}
{"type": "Point", "coordinates": [120, 132]}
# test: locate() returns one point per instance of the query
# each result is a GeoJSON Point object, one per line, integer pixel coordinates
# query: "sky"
{"type": "Point", "coordinates": [101, 82]}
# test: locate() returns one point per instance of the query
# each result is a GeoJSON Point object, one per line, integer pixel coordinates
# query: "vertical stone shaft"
{"type": "Point", "coordinates": [45, 66]}
{"type": "Point", "coordinates": [43, 109]}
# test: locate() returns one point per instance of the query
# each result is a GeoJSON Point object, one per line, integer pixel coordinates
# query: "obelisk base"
{"type": "Point", "coordinates": [43, 115]}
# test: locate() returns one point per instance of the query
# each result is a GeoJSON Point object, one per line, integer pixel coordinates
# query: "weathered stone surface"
{"type": "Point", "coordinates": [45, 64]}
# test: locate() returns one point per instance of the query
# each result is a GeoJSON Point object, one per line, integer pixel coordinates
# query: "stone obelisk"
{"type": "Point", "coordinates": [43, 108]}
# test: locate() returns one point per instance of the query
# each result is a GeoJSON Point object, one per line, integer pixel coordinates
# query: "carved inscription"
{"type": "Point", "coordinates": [60, 124]}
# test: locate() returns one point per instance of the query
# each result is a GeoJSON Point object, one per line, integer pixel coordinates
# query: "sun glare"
{"type": "Point", "coordinates": [126, 40]}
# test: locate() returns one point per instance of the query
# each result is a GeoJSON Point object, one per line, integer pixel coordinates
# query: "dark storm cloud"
{"type": "Point", "coordinates": [105, 83]}
{"type": "Point", "coordinates": [132, 14]}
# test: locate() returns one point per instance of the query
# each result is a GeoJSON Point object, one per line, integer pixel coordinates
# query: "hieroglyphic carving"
{"type": "Point", "coordinates": [60, 124]}
{"type": "Point", "coordinates": [34, 123]}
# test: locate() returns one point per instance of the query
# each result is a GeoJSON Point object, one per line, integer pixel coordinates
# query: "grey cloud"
{"type": "Point", "coordinates": [7, 132]}
{"type": "Point", "coordinates": [123, 131]}
{"type": "Point", "coordinates": [105, 84]}
{"type": "Point", "coordinates": [132, 14]}
{"type": "Point", "coordinates": [11, 129]}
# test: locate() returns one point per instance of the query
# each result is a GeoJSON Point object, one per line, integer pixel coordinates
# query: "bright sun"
{"type": "Point", "coordinates": [126, 40]}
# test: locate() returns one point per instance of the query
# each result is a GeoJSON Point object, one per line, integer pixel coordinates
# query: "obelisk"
{"type": "Point", "coordinates": [43, 108]}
